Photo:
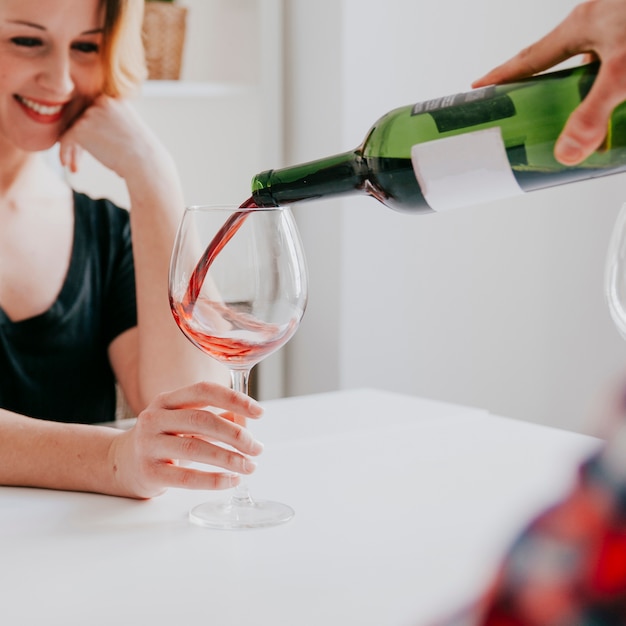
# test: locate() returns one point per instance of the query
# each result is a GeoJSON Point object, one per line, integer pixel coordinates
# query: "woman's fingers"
{"type": "Point", "coordinates": [236, 406]}
{"type": "Point", "coordinates": [70, 154]}
{"type": "Point", "coordinates": [182, 412]}
{"type": "Point", "coordinates": [176, 429]}
{"type": "Point", "coordinates": [204, 394]}
{"type": "Point", "coordinates": [172, 433]}
{"type": "Point", "coordinates": [228, 449]}
{"type": "Point", "coordinates": [160, 453]}
{"type": "Point", "coordinates": [202, 423]}
{"type": "Point", "coordinates": [198, 450]}
{"type": "Point", "coordinates": [190, 478]}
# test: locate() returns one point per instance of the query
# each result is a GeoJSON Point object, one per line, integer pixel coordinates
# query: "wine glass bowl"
{"type": "Point", "coordinates": [615, 273]}
{"type": "Point", "coordinates": [238, 290]}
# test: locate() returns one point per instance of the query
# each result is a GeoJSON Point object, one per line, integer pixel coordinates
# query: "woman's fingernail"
{"type": "Point", "coordinates": [255, 407]}
{"type": "Point", "coordinates": [248, 466]}
{"type": "Point", "coordinates": [233, 479]}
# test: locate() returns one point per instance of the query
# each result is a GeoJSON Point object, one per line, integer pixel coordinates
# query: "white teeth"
{"type": "Point", "coordinates": [40, 108]}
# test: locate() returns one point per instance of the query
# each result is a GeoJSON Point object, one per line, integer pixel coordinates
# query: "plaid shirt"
{"type": "Point", "coordinates": [568, 567]}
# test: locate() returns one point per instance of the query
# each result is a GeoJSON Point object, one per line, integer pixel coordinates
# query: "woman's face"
{"type": "Point", "coordinates": [50, 67]}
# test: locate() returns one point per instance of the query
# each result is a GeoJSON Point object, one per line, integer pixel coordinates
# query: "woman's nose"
{"type": "Point", "coordinates": [55, 75]}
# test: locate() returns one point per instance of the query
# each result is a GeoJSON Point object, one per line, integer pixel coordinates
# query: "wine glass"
{"type": "Point", "coordinates": [238, 290]}
{"type": "Point", "coordinates": [615, 273]}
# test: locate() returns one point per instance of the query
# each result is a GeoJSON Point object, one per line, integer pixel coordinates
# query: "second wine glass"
{"type": "Point", "coordinates": [238, 290]}
{"type": "Point", "coordinates": [615, 273]}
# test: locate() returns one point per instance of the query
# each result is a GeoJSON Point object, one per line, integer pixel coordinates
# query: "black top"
{"type": "Point", "coordinates": [55, 365]}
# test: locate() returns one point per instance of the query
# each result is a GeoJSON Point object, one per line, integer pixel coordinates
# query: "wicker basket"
{"type": "Point", "coordinates": [164, 26]}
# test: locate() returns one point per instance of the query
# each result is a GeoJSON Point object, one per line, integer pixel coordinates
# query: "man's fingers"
{"type": "Point", "coordinates": [587, 127]}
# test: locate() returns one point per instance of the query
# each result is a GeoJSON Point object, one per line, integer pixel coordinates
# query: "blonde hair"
{"type": "Point", "coordinates": [123, 51]}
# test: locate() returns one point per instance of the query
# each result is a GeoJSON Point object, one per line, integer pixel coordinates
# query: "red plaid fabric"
{"type": "Point", "coordinates": [568, 567]}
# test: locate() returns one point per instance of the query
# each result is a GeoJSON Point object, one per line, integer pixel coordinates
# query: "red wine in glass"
{"type": "Point", "coordinates": [259, 338]}
{"type": "Point", "coordinates": [222, 237]}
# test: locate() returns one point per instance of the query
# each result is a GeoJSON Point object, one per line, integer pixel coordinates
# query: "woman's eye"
{"type": "Point", "coordinates": [26, 42]}
{"type": "Point", "coordinates": [86, 47]}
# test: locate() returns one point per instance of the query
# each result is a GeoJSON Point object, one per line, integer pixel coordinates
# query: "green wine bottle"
{"type": "Point", "coordinates": [461, 150]}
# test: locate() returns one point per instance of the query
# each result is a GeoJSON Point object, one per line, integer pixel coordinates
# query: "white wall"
{"type": "Point", "coordinates": [499, 306]}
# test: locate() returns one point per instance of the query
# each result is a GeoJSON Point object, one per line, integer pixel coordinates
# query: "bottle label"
{"type": "Point", "coordinates": [436, 104]}
{"type": "Point", "coordinates": [464, 170]}
{"type": "Point", "coordinates": [462, 110]}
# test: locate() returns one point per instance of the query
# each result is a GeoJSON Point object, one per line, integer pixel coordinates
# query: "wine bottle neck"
{"type": "Point", "coordinates": [331, 176]}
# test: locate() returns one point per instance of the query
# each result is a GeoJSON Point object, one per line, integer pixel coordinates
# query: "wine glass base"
{"type": "Point", "coordinates": [233, 515]}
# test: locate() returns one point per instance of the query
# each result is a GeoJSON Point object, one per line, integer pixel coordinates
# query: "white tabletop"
{"type": "Point", "coordinates": [403, 507]}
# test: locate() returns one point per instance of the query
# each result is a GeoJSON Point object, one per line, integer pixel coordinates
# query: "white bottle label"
{"type": "Point", "coordinates": [464, 170]}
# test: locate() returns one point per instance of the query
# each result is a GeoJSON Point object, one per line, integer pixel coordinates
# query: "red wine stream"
{"type": "Point", "coordinates": [222, 237]}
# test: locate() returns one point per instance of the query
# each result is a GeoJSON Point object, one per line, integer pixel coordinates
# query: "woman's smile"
{"type": "Point", "coordinates": [40, 110]}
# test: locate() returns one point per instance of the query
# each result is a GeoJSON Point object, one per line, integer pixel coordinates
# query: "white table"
{"type": "Point", "coordinates": [403, 507]}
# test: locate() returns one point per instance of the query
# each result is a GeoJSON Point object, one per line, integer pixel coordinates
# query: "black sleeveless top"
{"type": "Point", "coordinates": [55, 365]}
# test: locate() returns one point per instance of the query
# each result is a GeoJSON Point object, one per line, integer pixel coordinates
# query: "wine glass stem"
{"type": "Point", "coordinates": [239, 382]}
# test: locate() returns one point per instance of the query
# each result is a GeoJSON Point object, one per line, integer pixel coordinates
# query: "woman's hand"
{"type": "Point", "coordinates": [596, 27]}
{"type": "Point", "coordinates": [113, 133]}
{"type": "Point", "coordinates": [177, 428]}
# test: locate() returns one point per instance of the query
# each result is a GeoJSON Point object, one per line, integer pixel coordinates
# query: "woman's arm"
{"type": "Point", "coordinates": [141, 462]}
{"type": "Point", "coordinates": [597, 27]}
{"type": "Point", "coordinates": [157, 357]}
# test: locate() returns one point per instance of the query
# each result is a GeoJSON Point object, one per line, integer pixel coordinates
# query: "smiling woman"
{"type": "Point", "coordinates": [83, 292]}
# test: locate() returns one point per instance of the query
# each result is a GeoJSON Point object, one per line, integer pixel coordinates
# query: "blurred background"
{"type": "Point", "coordinates": [500, 306]}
